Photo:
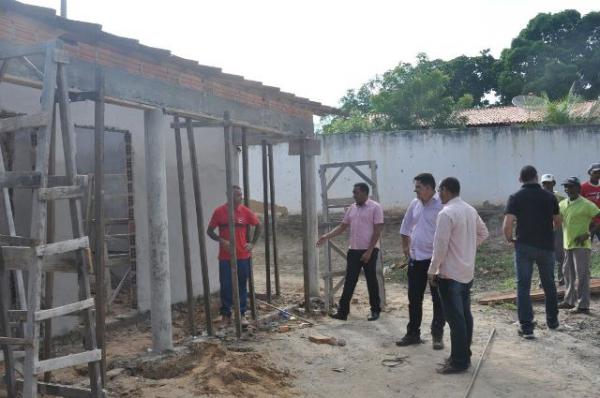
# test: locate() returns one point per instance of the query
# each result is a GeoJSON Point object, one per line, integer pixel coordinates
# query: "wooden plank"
{"type": "Point", "coordinates": [8, 240]}
{"type": "Point", "coordinates": [22, 122]}
{"type": "Point", "coordinates": [200, 225]}
{"type": "Point", "coordinates": [187, 263]}
{"type": "Point", "coordinates": [64, 309]}
{"type": "Point", "coordinates": [338, 285]}
{"type": "Point", "coordinates": [340, 202]}
{"type": "Point", "coordinates": [246, 185]}
{"type": "Point", "coordinates": [60, 181]}
{"type": "Point", "coordinates": [64, 246]}
{"type": "Point", "coordinates": [362, 175]}
{"type": "Point", "coordinates": [338, 249]}
{"type": "Point", "coordinates": [65, 192]}
{"type": "Point", "coordinates": [22, 51]}
{"type": "Point", "coordinates": [60, 390]}
{"type": "Point", "coordinates": [20, 179]}
{"type": "Point", "coordinates": [19, 258]}
{"type": "Point", "coordinates": [15, 341]}
{"type": "Point", "coordinates": [342, 164]}
{"type": "Point", "coordinates": [335, 177]}
{"type": "Point", "coordinates": [266, 229]}
{"type": "Point", "coordinates": [68, 361]}
{"type": "Point", "coordinates": [536, 295]}
{"type": "Point", "coordinates": [273, 220]}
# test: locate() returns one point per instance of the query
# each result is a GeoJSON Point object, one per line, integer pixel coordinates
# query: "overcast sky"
{"type": "Point", "coordinates": [315, 48]}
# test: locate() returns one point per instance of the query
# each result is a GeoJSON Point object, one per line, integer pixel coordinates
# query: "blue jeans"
{"type": "Point", "coordinates": [456, 301]}
{"type": "Point", "coordinates": [525, 256]}
{"type": "Point", "coordinates": [243, 271]}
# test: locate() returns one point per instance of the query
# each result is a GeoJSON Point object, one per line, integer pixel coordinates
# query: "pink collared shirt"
{"type": "Point", "coordinates": [362, 221]}
{"type": "Point", "coordinates": [458, 232]}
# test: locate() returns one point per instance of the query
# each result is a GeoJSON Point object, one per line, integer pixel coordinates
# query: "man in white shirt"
{"type": "Point", "coordinates": [458, 233]}
{"type": "Point", "coordinates": [417, 230]}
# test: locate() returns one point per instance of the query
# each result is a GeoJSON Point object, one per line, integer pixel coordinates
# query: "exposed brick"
{"type": "Point", "coordinates": [154, 70]}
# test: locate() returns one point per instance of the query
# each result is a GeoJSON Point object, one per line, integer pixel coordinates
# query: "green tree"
{"type": "Point", "coordinates": [476, 76]}
{"type": "Point", "coordinates": [551, 53]}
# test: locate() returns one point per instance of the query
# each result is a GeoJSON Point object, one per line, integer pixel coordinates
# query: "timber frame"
{"type": "Point", "coordinates": [108, 69]}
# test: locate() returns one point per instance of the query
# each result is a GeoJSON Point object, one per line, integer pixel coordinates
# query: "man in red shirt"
{"type": "Point", "coordinates": [244, 217]}
{"type": "Point", "coordinates": [591, 190]}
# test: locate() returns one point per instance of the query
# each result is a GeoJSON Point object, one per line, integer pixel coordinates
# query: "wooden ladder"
{"type": "Point", "coordinates": [34, 255]}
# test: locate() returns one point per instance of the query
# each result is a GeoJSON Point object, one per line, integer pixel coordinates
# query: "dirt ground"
{"type": "Point", "coordinates": [268, 362]}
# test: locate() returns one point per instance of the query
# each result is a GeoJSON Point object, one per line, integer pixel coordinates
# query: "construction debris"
{"type": "Point", "coordinates": [322, 339]}
{"type": "Point", "coordinates": [536, 295]}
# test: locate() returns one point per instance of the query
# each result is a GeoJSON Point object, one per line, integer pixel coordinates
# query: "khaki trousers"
{"type": "Point", "coordinates": [576, 270]}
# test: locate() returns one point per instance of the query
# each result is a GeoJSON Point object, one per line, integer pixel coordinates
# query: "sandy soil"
{"type": "Point", "coordinates": [267, 363]}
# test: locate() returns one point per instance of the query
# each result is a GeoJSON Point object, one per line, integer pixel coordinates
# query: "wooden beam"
{"type": "Point", "coordinates": [231, 225]}
{"type": "Point", "coordinates": [68, 361]}
{"type": "Point", "coordinates": [60, 193]}
{"type": "Point", "coordinates": [536, 295]}
{"type": "Point", "coordinates": [15, 123]}
{"type": "Point", "coordinates": [64, 309]}
{"type": "Point", "coordinates": [20, 179]}
{"type": "Point", "coordinates": [22, 51]}
{"type": "Point", "coordinates": [265, 184]}
{"type": "Point", "coordinates": [246, 186]}
{"type": "Point", "coordinates": [187, 263]}
{"type": "Point", "coordinates": [200, 225]}
{"type": "Point", "coordinates": [64, 246]}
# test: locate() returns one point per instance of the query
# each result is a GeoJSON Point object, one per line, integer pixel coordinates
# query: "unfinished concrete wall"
{"type": "Point", "coordinates": [486, 160]}
{"type": "Point", "coordinates": [210, 152]}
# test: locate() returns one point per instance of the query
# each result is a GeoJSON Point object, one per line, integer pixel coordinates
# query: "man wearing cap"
{"type": "Point", "coordinates": [591, 190]}
{"type": "Point", "coordinates": [548, 183]}
{"type": "Point", "coordinates": [537, 216]}
{"type": "Point", "coordinates": [578, 214]}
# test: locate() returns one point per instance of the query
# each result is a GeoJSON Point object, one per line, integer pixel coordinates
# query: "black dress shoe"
{"type": "Point", "coordinates": [374, 316]}
{"type": "Point", "coordinates": [438, 343]}
{"type": "Point", "coordinates": [339, 316]}
{"type": "Point", "coordinates": [409, 340]}
{"type": "Point", "coordinates": [449, 369]}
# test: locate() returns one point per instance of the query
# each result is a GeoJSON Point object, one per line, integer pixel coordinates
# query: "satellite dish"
{"type": "Point", "coordinates": [529, 102]}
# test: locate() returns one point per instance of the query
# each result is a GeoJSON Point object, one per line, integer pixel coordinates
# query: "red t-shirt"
{"type": "Point", "coordinates": [592, 193]}
{"type": "Point", "coordinates": [243, 217]}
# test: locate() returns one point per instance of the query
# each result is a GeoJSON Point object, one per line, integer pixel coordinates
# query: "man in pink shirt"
{"type": "Point", "coordinates": [458, 232]}
{"type": "Point", "coordinates": [365, 220]}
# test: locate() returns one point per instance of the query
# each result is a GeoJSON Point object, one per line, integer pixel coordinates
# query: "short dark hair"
{"type": "Point", "coordinates": [451, 184]}
{"type": "Point", "coordinates": [362, 187]}
{"type": "Point", "coordinates": [426, 179]}
{"type": "Point", "coordinates": [528, 173]}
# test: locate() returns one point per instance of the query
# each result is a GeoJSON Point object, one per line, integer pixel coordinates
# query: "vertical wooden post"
{"type": "Point", "coordinates": [274, 220]}
{"type": "Point", "coordinates": [231, 221]}
{"type": "Point", "coordinates": [184, 229]}
{"type": "Point", "coordinates": [246, 183]}
{"type": "Point", "coordinates": [380, 276]}
{"type": "Point", "coordinates": [305, 227]}
{"type": "Point", "coordinates": [49, 288]}
{"type": "Point", "coordinates": [265, 174]}
{"type": "Point", "coordinates": [200, 225]}
{"type": "Point", "coordinates": [99, 258]}
{"type": "Point", "coordinates": [328, 282]}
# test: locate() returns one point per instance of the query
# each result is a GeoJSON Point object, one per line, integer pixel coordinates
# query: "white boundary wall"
{"type": "Point", "coordinates": [486, 160]}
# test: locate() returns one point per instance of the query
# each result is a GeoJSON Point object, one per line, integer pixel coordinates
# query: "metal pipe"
{"type": "Point", "coordinates": [184, 229]}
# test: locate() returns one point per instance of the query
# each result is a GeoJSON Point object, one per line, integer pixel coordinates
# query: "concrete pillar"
{"type": "Point", "coordinates": [313, 220]}
{"type": "Point", "coordinates": [156, 126]}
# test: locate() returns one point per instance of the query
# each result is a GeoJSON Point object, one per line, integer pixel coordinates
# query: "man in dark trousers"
{"type": "Point", "coordinates": [365, 220]}
{"type": "Point", "coordinates": [536, 213]}
{"type": "Point", "coordinates": [459, 232]}
{"type": "Point", "coordinates": [243, 217]}
{"type": "Point", "coordinates": [417, 231]}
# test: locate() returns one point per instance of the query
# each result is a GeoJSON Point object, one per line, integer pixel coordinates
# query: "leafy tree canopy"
{"type": "Point", "coordinates": [552, 54]}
